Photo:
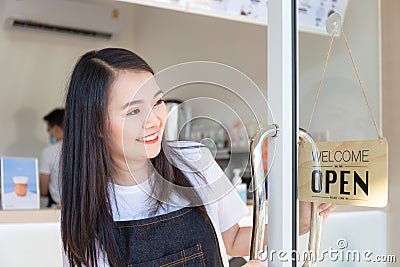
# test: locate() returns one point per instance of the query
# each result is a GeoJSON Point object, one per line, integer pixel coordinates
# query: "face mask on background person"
{"type": "Point", "coordinates": [52, 140]}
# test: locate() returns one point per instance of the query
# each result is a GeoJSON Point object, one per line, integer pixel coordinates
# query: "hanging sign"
{"type": "Point", "coordinates": [349, 172]}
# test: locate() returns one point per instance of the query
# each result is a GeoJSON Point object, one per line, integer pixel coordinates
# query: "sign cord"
{"type": "Point", "coordinates": [358, 78]}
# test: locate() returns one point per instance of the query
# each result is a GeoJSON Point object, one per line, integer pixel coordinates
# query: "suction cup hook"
{"type": "Point", "coordinates": [334, 24]}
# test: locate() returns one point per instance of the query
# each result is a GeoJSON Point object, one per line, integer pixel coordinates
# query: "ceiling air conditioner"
{"type": "Point", "coordinates": [65, 16]}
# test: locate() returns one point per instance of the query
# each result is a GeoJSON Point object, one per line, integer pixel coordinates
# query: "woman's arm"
{"type": "Point", "coordinates": [44, 180]}
{"type": "Point", "coordinates": [237, 239]}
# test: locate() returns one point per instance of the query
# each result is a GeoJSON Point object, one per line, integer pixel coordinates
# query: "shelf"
{"type": "Point", "coordinates": [310, 18]}
{"type": "Point", "coordinates": [221, 156]}
{"type": "Point", "coordinates": [227, 154]}
{"type": "Point", "coordinates": [196, 10]}
{"type": "Point", "coordinates": [29, 216]}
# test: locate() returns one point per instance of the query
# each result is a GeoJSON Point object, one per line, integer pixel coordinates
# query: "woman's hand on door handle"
{"type": "Point", "coordinates": [325, 209]}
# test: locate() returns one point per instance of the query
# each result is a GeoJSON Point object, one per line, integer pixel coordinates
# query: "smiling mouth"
{"type": "Point", "coordinates": [150, 139]}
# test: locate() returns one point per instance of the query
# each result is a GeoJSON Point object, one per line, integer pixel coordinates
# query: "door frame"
{"type": "Point", "coordinates": [283, 98]}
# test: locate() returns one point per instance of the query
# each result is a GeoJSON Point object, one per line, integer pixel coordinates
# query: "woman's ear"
{"type": "Point", "coordinates": [58, 130]}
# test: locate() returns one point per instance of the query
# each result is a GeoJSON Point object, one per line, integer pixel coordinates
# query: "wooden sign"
{"type": "Point", "coordinates": [350, 172]}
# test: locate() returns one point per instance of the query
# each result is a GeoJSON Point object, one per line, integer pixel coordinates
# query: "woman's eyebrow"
{"type": "Point", "coordinates": [134, 102]}
{"type": "Point", "coordinates": [159, 92]}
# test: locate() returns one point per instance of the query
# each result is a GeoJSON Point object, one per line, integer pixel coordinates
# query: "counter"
{"type": "Point", "coordinates": [30, 238]}
{"type": "Point", "coordinates": [29, 216]}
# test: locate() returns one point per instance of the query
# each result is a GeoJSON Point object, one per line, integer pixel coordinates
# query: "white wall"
{"type": "Point", "coordinates": [167, 37]}
{"type": "Point", "coordinates": [34, 70]}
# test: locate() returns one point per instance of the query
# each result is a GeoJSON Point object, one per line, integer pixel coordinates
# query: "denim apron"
{"type": "Point", "coordinates": [180, 238]}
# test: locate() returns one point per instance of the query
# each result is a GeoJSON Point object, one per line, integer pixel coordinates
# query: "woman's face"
{"type": "Point", "coordinates": [136, 117]}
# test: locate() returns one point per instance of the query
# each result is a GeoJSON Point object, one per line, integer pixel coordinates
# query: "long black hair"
{"type": "Point", "coordinates": [87, 225]}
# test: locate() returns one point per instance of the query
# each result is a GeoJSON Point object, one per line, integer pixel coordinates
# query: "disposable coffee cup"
{"type": "Point", "coordinates": [20, 185]}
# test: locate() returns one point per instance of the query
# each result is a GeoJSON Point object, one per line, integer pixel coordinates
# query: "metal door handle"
{"type": "Point", "coordinates": [259, 190]}
{"type": "Point", "coordinates": [314, 239]}
{"type": "Point", "coordinates": [259, 198]}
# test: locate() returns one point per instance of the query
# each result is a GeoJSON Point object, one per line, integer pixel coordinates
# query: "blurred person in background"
{"type": "Point", "coordinates": [50, 158]}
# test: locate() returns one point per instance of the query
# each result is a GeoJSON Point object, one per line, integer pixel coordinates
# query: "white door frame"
{"type": "Point", "coordinates": [282, 96]}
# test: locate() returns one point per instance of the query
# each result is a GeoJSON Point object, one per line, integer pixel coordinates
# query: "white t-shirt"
{"type": "Point", "coordinates": [49, 164]}
{"type": "Point", "coordinates": [222, 202]}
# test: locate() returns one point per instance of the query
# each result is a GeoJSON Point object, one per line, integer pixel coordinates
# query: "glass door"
{"type": "Point", "coordinates": [352, 235]}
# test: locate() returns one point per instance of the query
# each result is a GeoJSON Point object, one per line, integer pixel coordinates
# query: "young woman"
{"type": "Point", "coordinates": [128, 197]}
